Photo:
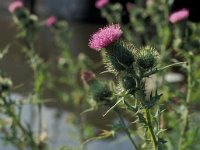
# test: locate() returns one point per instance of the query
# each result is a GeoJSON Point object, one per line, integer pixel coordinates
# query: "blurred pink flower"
{"type": "Point", "coordinates": [105, 36]}
{"type": "Point", "coordinates": [14, 6]}
{"type": "Point", "coordinates": [51, 21]}
{"type": "Point", "coordinates": [101, 3]}
{"type": "Point", "coordinates": [179, 15]}
{"type": "Point", "coordinates": [130, 6]}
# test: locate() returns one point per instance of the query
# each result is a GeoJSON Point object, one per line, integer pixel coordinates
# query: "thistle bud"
{"type": "Point", "coordinates": [120, 55]}
{"type": "Point", "coordinates": [146, 57]}
{"type": "Point", "coordinates": [129, 84]}
{"type": "Point", "coordinates": [100, 92]}
{"type": "Point", "coordinates": [5, 84]}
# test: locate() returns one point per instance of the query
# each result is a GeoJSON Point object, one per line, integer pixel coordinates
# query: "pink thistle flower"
{"type": "Point", "coordinates": [101, 3]}
{"type": "Point", "coordinates": [179, 15]}
{"type": "Point", "coordinates": [14, 6]}
{"type": "Point", "coordinates": [51, 21]}
{"type": "Point", "coordinates": [105, 36]}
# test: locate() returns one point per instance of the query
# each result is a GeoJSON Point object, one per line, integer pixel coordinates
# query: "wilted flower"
{"type": "Point", "coordinates": [101, 3]}
{"type": "Point", "coordinates": [179, 15]}
{"type": "Point", "coordinates": [51, 21]}
{"type": "Point", "coordinates": [87, 76]}
{"type": "Point", "coordinates": [14, 6]}
{"type": "Point", "coordinates": [42, 138]}
{"type": "Point", "coordinates": [105, 36]}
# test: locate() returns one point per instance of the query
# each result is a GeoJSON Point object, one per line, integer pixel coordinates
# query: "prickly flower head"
{"type": "Point", "coordinates": [105, 36]}
{"type": "Point", "coordinates": [100, 91]}
{"type": "Point", "coordinates": [146, 57]}
{"type": "Point", "coordinates": [119, 55]}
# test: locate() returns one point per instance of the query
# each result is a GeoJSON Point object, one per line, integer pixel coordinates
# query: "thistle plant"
{"type": "Point", "coordinates": [131, 66]}
{"type": "Point", "coordinates": [27, 25]}
{"type": "Point", "coordinates": [13, 130]}
{"type": "Point", "coordinates": [175, 36]}
{"type": "Point", "coordinates": [183, 31]}
{"type": "Point", "coordinates": [70, 68]}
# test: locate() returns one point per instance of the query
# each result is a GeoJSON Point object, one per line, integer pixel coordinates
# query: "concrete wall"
{"type": "Point", "coordinates": [75, 10]}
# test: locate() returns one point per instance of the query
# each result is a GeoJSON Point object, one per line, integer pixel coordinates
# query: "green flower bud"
{"type": "Point", "coordinates": [5, 84]}
{"type": "Point", "coordinates": [129, 84]}
{"type": "Point", "coordinates": [119, 54]}
{"type": "Point", "coordinates": [146, 57]}
{"type": "Point", "coordinates": [100, 91]}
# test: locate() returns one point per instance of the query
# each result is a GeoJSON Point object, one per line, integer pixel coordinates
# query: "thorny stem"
{"type": "Point", "coordinates": [22, 128]}
{"type": "Point", "coordinates": [31, 47]}
{"type": "Point", "coordinates": [149, 123]}
{"type": "Point", "coordinates": [148, 120]}
{"type": "Point", "coordinates": [150, 128]}
{"type": "Point", "coordinates": [186, 114]}
{"type": "Point", "coordinates": [126, 129]}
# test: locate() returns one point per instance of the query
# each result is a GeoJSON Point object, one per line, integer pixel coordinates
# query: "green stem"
{"type": "Point", "coordinates": [163, 68]}
{"type": "Point", "coordinates": [150, 129]}
{"type": "Point", "coordinates": [172, 65]}
{"type": "Point", "coordinates": [147, 116]}
{"type": "Point", "coordinates": [31, 53]}
{"type": "Point", "coordinates": [22, 128]}
{"type": "Point", "coordinates": [81, 125]}
{"type": "Point", "coordinates": [186, 114]}
{"type": "Point", "coordinates": [126, 130]}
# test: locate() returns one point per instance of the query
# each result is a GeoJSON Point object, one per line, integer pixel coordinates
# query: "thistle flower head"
{"type": "Point", "coordinates": [51, 21]}
{"type": "Point", "coordinates": [14, 6]}
{"type": "Point", "coordinates": [101, 3]}
{"type": "Point", "coordinates": [105, 36]}
{"type": "Point", "coordinates": [146, 57]}
{"type": "Point", "coordinates": [5, 84]}
{"type": "Point", "coordinates": [179, 15]}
